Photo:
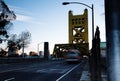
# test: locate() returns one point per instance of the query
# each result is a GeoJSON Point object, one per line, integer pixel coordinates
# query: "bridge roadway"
{"type": "Point", "coordinates": [41, 71]}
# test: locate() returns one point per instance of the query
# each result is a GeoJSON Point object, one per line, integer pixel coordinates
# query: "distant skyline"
{"type": "Point", "coordinates": [47, 20]}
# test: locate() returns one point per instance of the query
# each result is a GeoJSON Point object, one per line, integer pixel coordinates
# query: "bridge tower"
{"type": "Point", "coordinates": [78, 28]}
{"type": "Point", "coordinates": [78, 35]}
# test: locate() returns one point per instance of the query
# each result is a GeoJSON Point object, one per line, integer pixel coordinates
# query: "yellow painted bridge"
{"type": "Point", "coordinates": [78, 35]}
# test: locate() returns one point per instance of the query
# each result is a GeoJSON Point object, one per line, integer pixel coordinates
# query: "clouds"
{"type": "Point", "coordinates": [27, 19]}
{"type": "Point", "coordinates": [25, 16]}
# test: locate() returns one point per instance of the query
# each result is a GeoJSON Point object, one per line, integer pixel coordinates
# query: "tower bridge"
{"type": "Point", "coordinates": [78, 35]}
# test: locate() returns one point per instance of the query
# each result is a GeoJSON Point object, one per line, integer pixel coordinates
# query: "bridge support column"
{"type": "Point", "coordinates": [112, 14]}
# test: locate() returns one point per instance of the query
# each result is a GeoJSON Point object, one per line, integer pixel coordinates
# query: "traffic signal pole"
{"type": "Point", "coordinates": [112, 16]}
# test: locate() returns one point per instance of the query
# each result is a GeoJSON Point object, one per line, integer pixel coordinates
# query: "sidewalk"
{"type": "Point", "coordinates": [86, 75]}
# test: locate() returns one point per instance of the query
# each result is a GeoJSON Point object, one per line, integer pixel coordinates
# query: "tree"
{"type": "Point", "coordinates": [5, 20]}
{"type": "Point", "coordinates": [15, 42]}
{"type": "Point", "coordinates": [2, 52]}
{"type": "Point", "coordinates": [13, 46]}
{"type": "Point", "coordinates": [24, 39]}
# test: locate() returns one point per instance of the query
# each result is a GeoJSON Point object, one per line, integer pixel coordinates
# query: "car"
{"type": "Point", "coordinates": [73, 56]}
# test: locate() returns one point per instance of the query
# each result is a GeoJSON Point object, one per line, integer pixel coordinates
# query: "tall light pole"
{"type": "Point", "coordinates": [91, 7]}
{"type": "Point", "coordinates": [38, 46]}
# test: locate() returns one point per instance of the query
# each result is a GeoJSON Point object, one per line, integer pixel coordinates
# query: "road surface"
{"type": "Point", "coordinates": [41, 71]}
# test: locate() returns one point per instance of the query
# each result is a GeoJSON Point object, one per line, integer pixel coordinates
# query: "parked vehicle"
{"type": "Point", "coordinates": [73, 56]}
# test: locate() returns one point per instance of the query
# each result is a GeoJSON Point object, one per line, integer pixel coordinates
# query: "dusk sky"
{"type": "Point", "coordinates": [47, 20]}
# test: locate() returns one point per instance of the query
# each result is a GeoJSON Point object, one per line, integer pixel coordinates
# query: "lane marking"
{"type": "Point", "coordinates": [67, 72]}
{"type": "Point", "coordinates": [9, 79]}
{"type": "Point", "coordinates": [52, 70]}
{"type": "Point", "coordinates": [58, 70]}
{"type": "Point", "coordinates": [42, 70]}
{"type": "Point", "coordinates": [11, 70]}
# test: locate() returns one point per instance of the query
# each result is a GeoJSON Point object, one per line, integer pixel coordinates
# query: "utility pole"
{"type": "Point", "coordinates": [23, 49]}
{"type": "Point", "coordinates": [112, 16]}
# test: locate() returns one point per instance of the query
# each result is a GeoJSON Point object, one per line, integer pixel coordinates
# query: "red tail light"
{"type": "Point", "coordinates": [76, 57]}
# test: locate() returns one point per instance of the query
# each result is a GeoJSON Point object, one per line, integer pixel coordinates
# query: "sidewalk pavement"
{"type": "Point", "coordinates": [86, 75]}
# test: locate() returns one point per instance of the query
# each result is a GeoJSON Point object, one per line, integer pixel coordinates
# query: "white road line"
{"type": "Point", "coordinates": [11, 70]}
{"type": "Point", "coordinates": [52, 70]}
{"type": "Point", "coordinates": [67, 72]}
{"type": "Point", "coordinates": [9, 79]}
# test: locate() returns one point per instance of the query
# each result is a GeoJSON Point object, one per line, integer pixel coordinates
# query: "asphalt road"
{"type": "Point", "coordinates": [41, 71]}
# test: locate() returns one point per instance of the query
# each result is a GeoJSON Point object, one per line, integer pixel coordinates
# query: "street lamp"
{"type": "Point", "coordinates": [38, 46]}
{"type": "Point", "coordinates": [91, 7]}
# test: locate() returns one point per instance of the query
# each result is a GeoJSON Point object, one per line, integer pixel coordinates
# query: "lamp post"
{"type": "Point", "coordinates": [38, 46]}
{"type": "Point", "coordinates": [91, 7]}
